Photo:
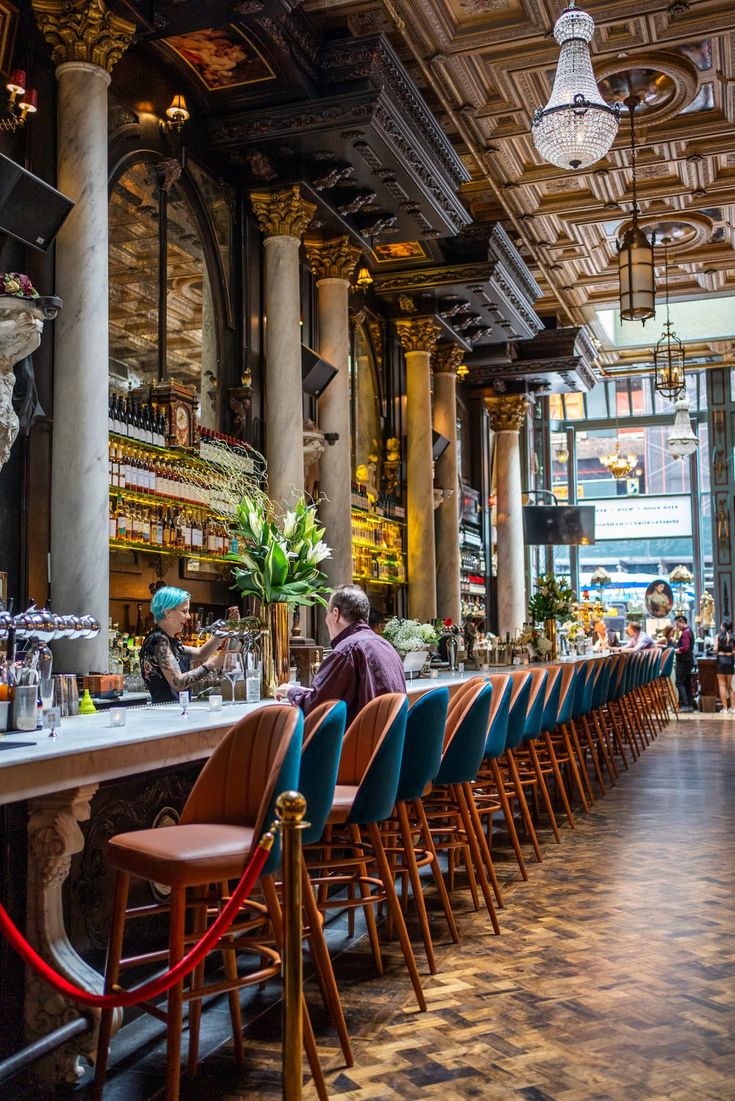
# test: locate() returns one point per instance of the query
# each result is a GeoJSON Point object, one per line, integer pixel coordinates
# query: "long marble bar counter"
{"type": "Point", "coordinates": [87, 749]}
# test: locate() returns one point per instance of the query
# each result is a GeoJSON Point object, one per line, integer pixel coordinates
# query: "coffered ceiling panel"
{"type": "Point", "coordinates": [485, 65]}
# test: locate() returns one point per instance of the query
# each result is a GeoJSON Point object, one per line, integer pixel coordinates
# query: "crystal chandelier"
{"type": "Point", "coordinates": [618, 464]}
{"type": "Point", "coordinates": [683, 440]}
{"type": "Point", "coordinates": [562, 453]}
{"type": "Point", "coordinates": [668, 355]}
{"type": "Point", "coordinates": [635, 251]}
{"type": "Point", "coordinates": [576, 127]}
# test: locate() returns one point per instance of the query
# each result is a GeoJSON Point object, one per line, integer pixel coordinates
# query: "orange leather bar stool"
{"type": "Point", "coordinates": [230, 805]}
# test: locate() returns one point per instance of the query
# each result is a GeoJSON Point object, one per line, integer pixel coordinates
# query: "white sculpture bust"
{"type": "Point", "coordinates": [22, 314]}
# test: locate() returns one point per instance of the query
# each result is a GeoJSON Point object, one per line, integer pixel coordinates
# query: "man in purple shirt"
{"type": "Point", "coordinates": [638, 639]}
{"type": "Point", "coordinates": [361, 666]}
{"type": "Point", "coordinates": [684, 663]}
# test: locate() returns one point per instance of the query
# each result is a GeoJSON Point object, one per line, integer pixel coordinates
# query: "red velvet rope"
{"type": "Point", "coordinates": [164, 982]}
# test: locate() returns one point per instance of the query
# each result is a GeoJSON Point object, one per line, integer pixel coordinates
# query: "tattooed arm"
{"type": "Point", "coordinates": [206, 674]}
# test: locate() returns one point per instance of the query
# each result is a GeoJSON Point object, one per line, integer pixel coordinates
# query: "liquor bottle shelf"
{"type": "Point", "coordinates": [173, 552]}
{"type": "Point", "coordinates": [152, 499]}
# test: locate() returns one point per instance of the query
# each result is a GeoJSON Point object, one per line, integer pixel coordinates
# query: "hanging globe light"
{"type": "Point", "coordinates": [682, 441]}
{"type": "Point", "coordinates": [576, 127]}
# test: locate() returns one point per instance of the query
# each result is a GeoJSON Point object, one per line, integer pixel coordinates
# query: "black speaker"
{"type": "Point", "coordinates": [30, 210]}
{"type": "Point", "coordinates": [316, 373]}
{"type": "Point", "coordinates": [439, 445]}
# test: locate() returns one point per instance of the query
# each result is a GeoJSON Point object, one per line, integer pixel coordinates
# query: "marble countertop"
{"type": "Point", "coordinates": [88, 750]}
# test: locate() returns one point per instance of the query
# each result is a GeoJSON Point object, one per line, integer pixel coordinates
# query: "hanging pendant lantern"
{"type": "Point", "coordinates": [668, 355]}
{"type": "Point", "coordinates": [576, 127]}
{"type": "Point", "coordinates": [635, 251]}
{"type": "Point", "coordinates": [682, 441]}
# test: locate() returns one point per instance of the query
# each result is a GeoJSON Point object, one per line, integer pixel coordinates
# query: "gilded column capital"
{"type": "Point", "coordinates": [333, 259]}
{"type": "Point", "coordinates": [508, 412]}
{"type": "Point", "coordinates": [282, 213]}
{"type": "Point", "coordinates": [446, 358]}
{"type": "Point", "coordinates": [83, 30]}
{"type": "Point", "coordinates": [417, 334]}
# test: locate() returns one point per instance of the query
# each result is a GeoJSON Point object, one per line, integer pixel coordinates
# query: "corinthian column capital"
{"type": "Point", "coordinates": [282, 213]}
{"type": "Point", "coordinates": [333, 259]}
{"type": "Point", "coordinates": [508, 412]}
{"type": "Point", "coordinates": [83, 30]}
{"type": "Point", "coordinates": [446, 358]}
{"type": "Point", "coordinates": [417, 334]}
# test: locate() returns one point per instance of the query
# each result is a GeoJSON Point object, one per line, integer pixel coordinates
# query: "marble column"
{"type": "Point", "coordinates": [508, 414]}
{"type": "Point", "coordinates": [86, 40]}
{"type": "Point", "coordinates": [445, 361]}
{"type": "Point", "coordinates": [418, 338]}
{"type": "Point", "coordinates": [282, 217]}
{"type": "Point", "coordinates": [332, 263]}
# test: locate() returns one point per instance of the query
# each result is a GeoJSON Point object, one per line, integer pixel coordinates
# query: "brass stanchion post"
{"type": "Point", "coordinates": [290, 808]}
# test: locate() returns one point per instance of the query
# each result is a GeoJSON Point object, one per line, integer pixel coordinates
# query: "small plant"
{"type": "Point", "coordinates": [278, 559]}
{"type": "Point", "coordinates": [408, 635]}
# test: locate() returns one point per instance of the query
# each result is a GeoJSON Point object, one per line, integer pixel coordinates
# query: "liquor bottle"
{"type": "Point", "coordinates": [197, 535]}
{"type": "Point", "coordinates": [234, 545]}
{"type": "Point", "coordinates": [211, 537]}
{"type": "Point", "coordinates": [111, 471]}
{"type": "Point", "coordinates": [122, 519]}
{"type": "Point", "coordinates": [169, 534]}
{"type": "Point", "coordinates": [113, 520]}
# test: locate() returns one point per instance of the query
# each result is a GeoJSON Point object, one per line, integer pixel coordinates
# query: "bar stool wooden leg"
{"type": "Point", "coordinates": [559, 780]}
{"type": "Point", "coordinates": [508, 816]}
{"type": "Point", "coordinates": [418, 894]}
{"type": "Point", "coordinates": [544, 790]}
{"type": "Point", "coordinates": [370, 922]}
{"type": "Point", "coordinates": [197, 981]}
{"type": "Point", "coordinates": [520, 796]}
{"type": "Point", "coordinates": [475, 856]}
{"type": "Point", "coordinates": [174, 1025]}
{"type": "Point", "coordinates": [323, 964]}
{"type": "Point", "coordinates": [114, 954]}
{"type": "Point", "coordinates": [428, 843]}
{"type": "Point", "coordinates": [393, 903]}
{"type": "Point", "coordinates": [482, 843]}
{"type": "Point", "coordinates": [573, 768]}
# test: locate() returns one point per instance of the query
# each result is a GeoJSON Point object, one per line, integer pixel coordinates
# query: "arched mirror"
{"type": "Point", "coordinates": [162, 323]}
{"type": "Point", "coordinates": [365, 405]}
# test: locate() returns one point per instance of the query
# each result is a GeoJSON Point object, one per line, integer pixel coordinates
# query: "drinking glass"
{"type": "Point", "coordinates": [26, 706]}
{"type": "Point", "coordinates": [232, 669]}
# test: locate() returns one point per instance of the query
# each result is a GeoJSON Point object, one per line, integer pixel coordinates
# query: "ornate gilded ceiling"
{"type": "Point", "coordinates": [483, 66]}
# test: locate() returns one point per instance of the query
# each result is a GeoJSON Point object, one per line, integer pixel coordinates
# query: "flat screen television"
{"type": "Point", "coordinates": [559, 525]}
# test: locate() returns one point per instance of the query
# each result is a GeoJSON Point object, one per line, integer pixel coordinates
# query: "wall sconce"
{"type": "Point", "coordinates": [21, 102]}
{"type": "Point", "coordinates": [462, 371]}
{"type": "Point", "coordinates": [177, 114]}
{"type": "Point", "coordinates": [364, 278]}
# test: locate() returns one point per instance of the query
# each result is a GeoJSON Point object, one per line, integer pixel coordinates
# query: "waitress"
{"type": "Point", "coordinates": [164, 660]}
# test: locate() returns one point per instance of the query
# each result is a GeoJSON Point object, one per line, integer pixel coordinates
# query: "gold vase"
{"type": "Point", "coordinates": [550, 632]}
{"type": "Point", "coordinates": [275, 647]}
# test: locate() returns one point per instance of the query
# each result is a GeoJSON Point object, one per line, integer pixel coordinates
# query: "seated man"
{"type": "Point", "coordinates": [638, 639]}
{"type": "Point", "coordinates": [361, 666]}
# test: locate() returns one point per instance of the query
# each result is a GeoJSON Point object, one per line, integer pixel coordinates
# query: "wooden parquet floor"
{"type": "Point", "coordinates": [613, 980]}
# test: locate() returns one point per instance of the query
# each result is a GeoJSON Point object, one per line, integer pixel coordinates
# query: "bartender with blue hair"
{"type": "Point", "coordinates": [164, 660]}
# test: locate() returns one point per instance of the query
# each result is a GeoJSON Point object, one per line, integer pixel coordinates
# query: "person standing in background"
{"type": "Point", "coordinates": [725, 666]}
{"type": "Point", "coordinates": [684, 663]}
